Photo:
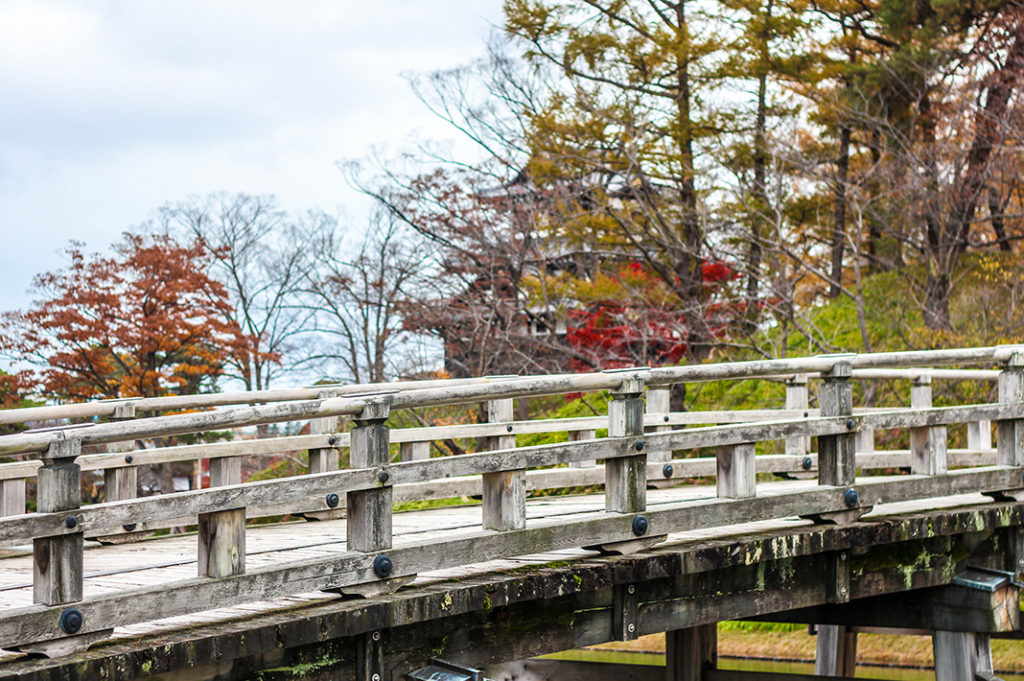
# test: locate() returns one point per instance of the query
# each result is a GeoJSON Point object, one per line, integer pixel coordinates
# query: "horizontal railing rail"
{"type": "Point", "coordinates": [636, 453]}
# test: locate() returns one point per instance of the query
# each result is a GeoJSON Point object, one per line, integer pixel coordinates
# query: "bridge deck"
{"type": "Point", "coordinates": [112, 568]}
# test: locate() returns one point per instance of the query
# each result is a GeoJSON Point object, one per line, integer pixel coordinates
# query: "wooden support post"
{"type": "Point", "coordinates": [504, 492]}
{"type": "Point", "coordinates": [225, 470]}
{"type": "Point", "coordinates": [691, 653]}
{"type": "Point", "coordinates": [12, 497]}
{"type": "Point", "coordinates": [414, 451]}
{"type": "Point", "coordinates": [1010, 433]}
{"type": "Point", "coordinates": [222, 543]}
{"type": "Point", "coordinates": [577, 436]}
{"type": "Point", "coordinates": [836, 651]}
{"type": "Point", "coordinates": [122, 482]}
{"type": "Point", "coordinates": [658, 402]}
{"type": "Point", "coordinates": [369, 511]}
{"type": "Point", "coordinates": [865, 443]}
{"type": "Point", "coordinates": [927, 444]}
{"type": "Point", "coordinates": [736, 471]}
{"type": "Point", "coordinates": [979, 435]}
{"type": "Point", "coordinates": [626, 477]}
{"type": "Point", "coordinates": [57, 576]}
{"type": "Point", "coordinates": [836, 463]}
{"type": "Point", "coordinates": [796, 398]}
{"type": "Point", "coordinates": [324, 459]}
{"type": "Point", "coordinates": [956, 655]}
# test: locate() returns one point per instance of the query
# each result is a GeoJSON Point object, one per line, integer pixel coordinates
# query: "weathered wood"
{"type": "Point", "coordinates": [626, 477]}
{"type": "Point", "coordinates": [323, 459]}
{"type": "Point", "coordinates": [736, 471]}
{"type": "Point", "coordinates": [836, 453]}
{"type": "Point", "coordinates": [369, 511]}
{"type": "Point", "coordinates": [57, 560]}
{"type": "Point", "coordinates": [691, 653]}
{"type": "Point", "coordinates": [577, 436]}
{"type": "Point", "coordinates": [222, 543]}
{"type": "Point", "coordinates": [797, 398]}
{"type": "Point", "coordinates": [979, 435]}
{"type": "Point", "coordinates": [414, 451]}
{"type": "Point", "coordinates": [955, 655]}
{"type": "Point", "coordinates": [541, 669]}
{"type": "Point", "coordinates": [927, 445]}
{"type": "Point", "coordinates": [12, 497]}
{"type": "Point", "coordinates": [836, 651]}
{"type": "Point", "coordinates": [504, 492]}
{"type": "Point", "coordinates": [225, 471]}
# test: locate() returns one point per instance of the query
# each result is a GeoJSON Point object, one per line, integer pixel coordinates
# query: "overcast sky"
{"type": "Point", "coordinates": [110, 109]}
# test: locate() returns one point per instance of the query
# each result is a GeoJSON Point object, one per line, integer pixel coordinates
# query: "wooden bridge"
{"type": "Point", "coordinates": [691, 529]}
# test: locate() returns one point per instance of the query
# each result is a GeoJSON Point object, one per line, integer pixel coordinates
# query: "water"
{"type": "Point", "coordinates": [780, 667]}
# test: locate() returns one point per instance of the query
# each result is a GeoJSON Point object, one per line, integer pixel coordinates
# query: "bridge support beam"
{"type": "Point", "coordinates": [691, 653]}
{"type": "Point", "coordinates": [836, 651]}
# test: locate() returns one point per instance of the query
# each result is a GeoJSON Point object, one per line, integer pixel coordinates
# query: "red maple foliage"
{"type": "Point", "coordinates": [147, 321]}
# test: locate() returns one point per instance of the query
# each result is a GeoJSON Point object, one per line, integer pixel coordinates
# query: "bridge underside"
{"type": "Point", "coordinates": [584, 599]}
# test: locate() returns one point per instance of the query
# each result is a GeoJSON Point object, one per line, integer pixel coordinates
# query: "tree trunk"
{"type": "Point", "coordinates": [839, 227]}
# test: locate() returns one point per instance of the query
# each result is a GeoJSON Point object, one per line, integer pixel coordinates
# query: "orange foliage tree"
{"type": "Point", "coordinates": [144, 322]}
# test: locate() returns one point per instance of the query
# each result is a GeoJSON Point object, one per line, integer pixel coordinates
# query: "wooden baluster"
{"type": "Point", "coordinates": [796, 398]}
{"type": "Point", "coordinates": [979, 435]}
{"type": "Point", "coordinates": [504, 492]}
{"type": "Point", "coordinates": [736, 471]}
{"type": "Point", "coordinates": [836, 463]}
{"type": "Point", "coordinates": [122, 482]}
{"type": "Point", "coordinates": [578, 436]}
{"type": "Point", "coordinates": [323, 459]}
{"type": "Point", "coordinates": [927, 444]}
{"type": "Point", "coordinates": [1010, 432]}
{"type": "Point", "coordinates": [626, 477]}
{"type": "Point", "coordinates": [222, 533]}
{"type": "Point", "coordinates": [57, 577]}
{"type": "Point", "coordinates": [658, 400]}
{"type": "Point", "coordinates": [12, 497]}
{"type": "Point", "coordinates": [414, 451]}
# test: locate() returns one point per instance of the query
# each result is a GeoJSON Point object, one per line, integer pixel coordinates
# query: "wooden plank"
{"type": "Point", "coordinates": [323, 459]}
{"type": "Point", "coordinates": [57, 560]}
{"type": "Point", "coordinates": [1010, 432]}
{"type": "Point", "coordinates": [414, 451]}
{"type": "Point", "coordinates": [12, 497]}
{"type": "Point", "coordinates": [658, 404]}
{"type": "Point", "coordinates": [225, 471]}
{"type": "Point", "coordinates": [222, 543]}
{"type": "Point", "coordinates": [540, 669]}
{"type": "Point", "coordinates": [736, 471]}
{"type": "Point", "coordinates": [577, 436]}
{"type": "Point", "coordinates": [797, 399]}
{"type": "Point", "coordinates": [369, 511]}
{"type": "Point", "coordinates": [836, 453]}
{"type": "Point", "coordinates": [928, 444]}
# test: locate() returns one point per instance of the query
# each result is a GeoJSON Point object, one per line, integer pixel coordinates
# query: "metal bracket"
{"type": "Point", "coordinates": [624, 612]}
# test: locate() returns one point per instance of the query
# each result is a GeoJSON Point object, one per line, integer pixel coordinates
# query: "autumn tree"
{"type": "Point", "coordinates": [145, 321]}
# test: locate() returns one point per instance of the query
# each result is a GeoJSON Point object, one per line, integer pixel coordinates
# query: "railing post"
{"type": "Point", "coordinates": [736, 477]}
{"type": "Point", "coordinates": [221, 534]}
{"type": "Point", "coordinates": [690, 653]}
{"type": "Point", "coordinates": [578, 436]}
{"type": "Point", "coordinates": [57, 573]}
{"type": "Point", "coordinates": [225, 470]}
{"type": "Point", "coordinates": [979, 435]}
{"type": "Point", "coordinates": [796, 398]}
{"type": "Point", "coordinates": [658, 402]}
{"type": "Point", "coordinates": [626, 477]}
{"type": "Point", "coordinates": [121, 482]}
{"type": "Point", "coordinates": [323, 459]}
{"type": "Point", "coordinates": [414, 451]}
{"type": "Point", "coordinates": [369, 511]}
{"type": "Point", "coordinates": [504, 492]}
{"type": "Point", "coordinates": [836, 463]}
{"type": "Point", "coordinates": [1010, 432]}
{"type": "Point", "coordinates": [927, 444]}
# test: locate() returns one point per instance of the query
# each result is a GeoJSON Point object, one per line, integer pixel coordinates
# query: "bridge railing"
{"type": "Point", "coordinates": [62, 616]}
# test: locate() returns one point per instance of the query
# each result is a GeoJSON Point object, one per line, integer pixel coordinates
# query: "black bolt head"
{"type": "Point", "coordinates": [850, 497]}
{"type": "Point", "coordinates": [805, 414]}
{"type": "Point", "coordinates": [666, 419]}
{"type": "Point", "coordinates": [640, 526]}
{"type": "Point", "coordinates": [129, 528]}
{"type": "Point", "coordinates": [71, 621]}
{"type": "Point", "coordinates": [332, 440]}
{"type": "Point", "coordinates": [849, 424]}
{"type": "Point", "coordinates": [509, 427]}
{"type": "Point", "coordinates": [383, 476]}
{"type": "Point", "coordinates": [332, 500]}
{"type": "Point", "coordinates": [382, 566]}
{"type": "Point", "coordinates": [639, 445]}
{"type": "Point", "coordinates": [667, 470]}
{"type": "Point", "coordinates": [806, 463]}
{"type": "Point", "coordinates": [71, 522]}
{"type": "Point", "coordinates": [127, 458]}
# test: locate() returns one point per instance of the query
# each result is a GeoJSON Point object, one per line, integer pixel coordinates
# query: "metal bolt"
{"type": "Point", "coordinates": [509, 427]}
{"type": "Point", "coordinates": [71, 620]}
{"type": "Point", "coordinates": [127, 458]}
{"type": "Point", "coordinates": [129, 527]}
{"type": "Point", "coordinates": [631, 589]}
{"type": "Point", "coordinates": [806, 463]}
{"type": "Point", "coordinates": [842, 556]}
{"type": "Point", "coordinates": [640, 526]}
{"type": "Point", "coordinates": [382, 566]}
{"type": "Point", "coordinates": [667, 470]}
{"type": "Point", "coordinates": [332, 440]}
{"type": "Point", "coordinates": [849, 424]}
{"type": "Point", "coordinates": [631, 627]}
{"type": "Point", "coordinates": [71, 522]}
{"type": "Point", "coordinates": [639, 445]}
{"type": "Point", "coordinates": [842, 590]}
{"type": "Point", "coordinates": [850, 497]}
{"type": "Point", "coordinates": [666, 419]}
{"type": "Point", "coordinates": [383, 476]}
{"type": "Point", "coordinates": [375, 636]}
{"type": "Point", "coordinates": [332, 500]}
{"type": "Point", "coordinates": [375, 677]}
{"type": "Point", "coordinates": [805, 414]}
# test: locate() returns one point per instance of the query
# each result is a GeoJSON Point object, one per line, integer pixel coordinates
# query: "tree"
{"type": "Point", "coordinates": [261, 255]}
{"type": "Point", "coordinates": [144, 322]}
